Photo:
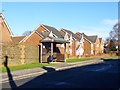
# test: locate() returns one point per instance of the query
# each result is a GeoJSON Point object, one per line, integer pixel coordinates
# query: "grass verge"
{"type": "Point", "coordinates": [78, 60]}
{"type": "Point", "coordinates": [34, 65]}
{"type": "Point", "coordinates": [25, 66]}
{"type": "Point", "coordinates": [115, 57]}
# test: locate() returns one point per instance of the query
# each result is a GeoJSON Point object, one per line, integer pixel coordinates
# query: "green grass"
{"type": "Point", "coordinates": [77, 60]}
{"type": "Point", "coordinates": [115, 57]}
{"type": "Point", "coordinates": [25, 66]}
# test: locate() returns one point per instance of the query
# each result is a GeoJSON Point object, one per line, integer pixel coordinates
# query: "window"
{"type": "Point", "coordinates": [71, 42]}
{"type": "Point", "coordinates": [77, 53]}
{"type": "Point", "coordinates": [91, 51]}
{"type": "Point", "coordinates": [116, 47]}
{"type": "Point", "coordinates": [70, 51]}
{"type": "Point", "coordinates": [97, 45]}
{"type": "Point", "coordinates": [97, 52]}
{"type": "Point", "coordinates": [81, 43]}
{"type": "Point", "coordinates": [101, 46]}
{"type": "Point", "coordinates": [77, 42]}
{"type": "Point", "coordinates": [91, 45]}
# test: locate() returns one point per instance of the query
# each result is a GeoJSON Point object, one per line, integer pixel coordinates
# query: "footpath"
{"type": "Point", "coordinates": [20, 74]}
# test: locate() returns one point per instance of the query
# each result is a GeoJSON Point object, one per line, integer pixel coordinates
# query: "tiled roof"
{"type": "Point", "coordinates": [92, 38]}
{"type": "Point", "coordinates": [84, 36]}
{"type": "Point", "coordinates": [54, 31]}
{"type": "Point", "coordinates": [69, 32]}
{"type": "Point", "coordinates": [100, 39]}
{"type": "Point", "coordinates": [63, 34]}
{"type": "Point", "coordinates": [44, 34]}
{"type": "Point", "coordinates": [17, 38]}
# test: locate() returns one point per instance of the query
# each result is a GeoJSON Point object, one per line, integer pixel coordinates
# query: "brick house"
{"type": "Point", "coordinates": [92, 44]}
{"type": "Point", "coordinates": [43, 32]}
{"type": "Point", "coordinates": [35, 37]}
{"type": "Point", "coordinates": [74, 48]}
{"type": "Point", "coordinates": [39, 33]}
{"type": "Point", "coordinates": [95, 44]}
{"type": "Point", "coordinates": [17, 39]}
{"type": "Point", "coordinates": [86, 43]}
{"type": "Point", "coordinates": [5, 32]}
{"type": "Point", "coordinates": [101, 45]}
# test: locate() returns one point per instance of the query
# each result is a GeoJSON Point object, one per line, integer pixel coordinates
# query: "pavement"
{"type": "Point", "coordinates": [20, 74]}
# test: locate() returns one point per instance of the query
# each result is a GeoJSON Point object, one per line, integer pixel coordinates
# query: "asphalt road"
{"type": "Point", "coordinates": [102, 75]}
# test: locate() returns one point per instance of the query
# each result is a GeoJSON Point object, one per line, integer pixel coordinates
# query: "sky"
{"type": "Point", "coordinates": [91, 18]}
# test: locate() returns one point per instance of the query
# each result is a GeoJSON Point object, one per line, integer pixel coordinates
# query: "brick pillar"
{"type": "Point", "coordinates": [22, 54]}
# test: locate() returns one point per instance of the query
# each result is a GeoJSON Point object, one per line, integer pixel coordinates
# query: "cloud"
{"type": "Point", "coordinates": [110, 22]}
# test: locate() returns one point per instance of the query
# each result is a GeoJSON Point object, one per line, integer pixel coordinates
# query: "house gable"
{"type": "Point", "coordinates": [34, 39]}
{"type": "Point", "coordinates": [5, 32]}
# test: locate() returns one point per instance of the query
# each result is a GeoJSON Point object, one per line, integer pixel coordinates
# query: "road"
{"type": "Point", "coordinates": [102, 75]}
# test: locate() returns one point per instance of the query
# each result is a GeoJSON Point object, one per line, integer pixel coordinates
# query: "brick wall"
{"type": "Point", "coordinates": [19, 53]}
{"type": "Point", "coordinates": [87, 47]}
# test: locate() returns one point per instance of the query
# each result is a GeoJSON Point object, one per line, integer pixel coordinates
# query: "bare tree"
{"type": "Point", "coordinates": [26, 33]}
{"type": "Point", "coordinates": [116, 30]}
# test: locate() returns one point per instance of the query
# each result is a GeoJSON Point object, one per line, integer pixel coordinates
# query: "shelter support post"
{"type": "Point", "coordinates": [65, 52]}
{"type": "Point", "coordinates": [51, 50]}
{"type": "Point", "coordinates": [41, 53]}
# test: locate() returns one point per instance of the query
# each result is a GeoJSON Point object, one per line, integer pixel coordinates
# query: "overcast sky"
{"type": "Point", "coordinates": [92, 18]}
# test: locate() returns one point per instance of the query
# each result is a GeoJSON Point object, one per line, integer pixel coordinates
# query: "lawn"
{"type": "Point", "coordinates": [78, 60]}
{"type": "Point", "coordinates": [115, 57]}
{"type": "Point", "coordinates": [25, 66]}
{"type": "Point", "coordinates": [34, 65]}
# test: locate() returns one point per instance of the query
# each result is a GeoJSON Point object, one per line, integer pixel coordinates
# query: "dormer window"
{"type": "Point", "coordinates": [51, 34]}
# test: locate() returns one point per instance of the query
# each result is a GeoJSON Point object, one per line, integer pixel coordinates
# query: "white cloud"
{"type": "Point", "coordinates": [110, 22]}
